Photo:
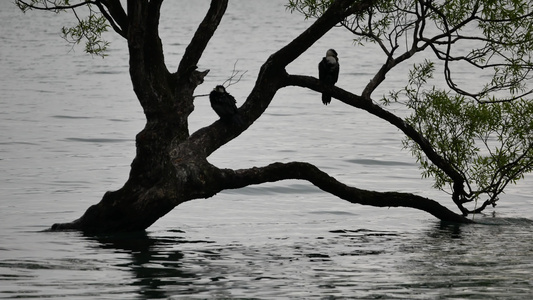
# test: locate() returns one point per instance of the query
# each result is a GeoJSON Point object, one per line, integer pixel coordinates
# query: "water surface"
{"type": "Point", "coordinates": [67, 128]}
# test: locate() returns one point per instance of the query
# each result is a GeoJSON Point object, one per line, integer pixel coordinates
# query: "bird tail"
{"type": "Point", "coordinates": [326, 98]}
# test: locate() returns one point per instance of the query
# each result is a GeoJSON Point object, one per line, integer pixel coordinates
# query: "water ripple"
{"type": "Point", "coordinates": [97, 140]}
{"type": "Point", "coordinates": [67, 132]}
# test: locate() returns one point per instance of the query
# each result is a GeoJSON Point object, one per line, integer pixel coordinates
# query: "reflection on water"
{"type": "Point", "coordinates": [67, 132]}
{"type": "Point", "coordinates": [445, 261]}
{"type": "Point", "coordinates": [478, 261]}
{"type": "Point", "coordinates": [154, 263]}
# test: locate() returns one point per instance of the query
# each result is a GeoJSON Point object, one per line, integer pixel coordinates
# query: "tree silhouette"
{"type": "Point", "coordinates": [444, 132]}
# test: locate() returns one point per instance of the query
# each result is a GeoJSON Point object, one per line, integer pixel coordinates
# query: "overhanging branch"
{"type": "Point", "coordinates": [206, 140]}
{"type": "Point", "coordinates": [369, 106]}
{"type": "Point", "coordinates": [233, 179]}
{"type": "Point", "coordinates": [54, 8]}
{"type": "Point", "coordinates": [201, 38]}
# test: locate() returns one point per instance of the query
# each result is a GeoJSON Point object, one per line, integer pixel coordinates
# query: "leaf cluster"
{"type": "Point", "coordinates": [88, 28]}
{"type": "Point", "coordinates": [483, 132]}
{"type": "Point", "coordinates": [309, 8]}
{"type": "Point", "coordinates": [490, 144]}
{"type": "Point", "coordinates": [492, 35]}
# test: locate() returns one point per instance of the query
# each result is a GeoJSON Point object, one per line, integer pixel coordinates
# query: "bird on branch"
{"type": "Point", "coordinates": [225, 106]}
{"type": "Point", "coordinates": [328, 72]}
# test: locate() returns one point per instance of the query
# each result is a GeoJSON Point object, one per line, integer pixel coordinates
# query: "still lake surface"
{"type": "Point", "coordinates": [67, 128]}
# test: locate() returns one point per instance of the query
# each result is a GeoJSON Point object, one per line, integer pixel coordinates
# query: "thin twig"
{"type": "Point", "coordinates": [229, 81]}
{"type": "Point", "coordinates": [202, 95]}
{"type": "Point", "coordinates": [234, 73]}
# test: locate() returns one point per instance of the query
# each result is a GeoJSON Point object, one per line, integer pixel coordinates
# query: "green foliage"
{"type": "Point", "coordinates": [88, 28]}
{"type": "Point", "coordinates": [309, 8]}
{"type": "Point", "coordinates": [484, 132]}
{"type": "Point", "coordinates": [489, 143]}
{"type": "Point", "coordinates": [508, 29]}
{"type": "Point", "coordinates": [50, 5]}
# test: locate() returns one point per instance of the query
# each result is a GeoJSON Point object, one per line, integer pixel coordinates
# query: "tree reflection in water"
{"type": "Point", "coordinates": [156, 263]}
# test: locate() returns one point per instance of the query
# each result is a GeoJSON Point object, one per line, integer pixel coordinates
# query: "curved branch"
{"type": "Point", "coordinates": [337, 12]}
{"type": "Point", "coordinates": [369, 106]}
{"type": "Point", "coordinates": [115, 15]}
{"type": "Point", "coordinates": [116, 10]}
{"type": "Point", "coordinates": [201, 37]}
{"type": "Point", "coordinates": [233, 179]}
{"type": "Point", "coordinates": [270, 78]}
{"type": "Point", "coordinates": [55, 8]}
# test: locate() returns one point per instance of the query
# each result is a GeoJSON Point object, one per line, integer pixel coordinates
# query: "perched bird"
{"type": "Point", "coordinates": [225, 106]}
{"type": "Point", "coordinates": [328, 72]}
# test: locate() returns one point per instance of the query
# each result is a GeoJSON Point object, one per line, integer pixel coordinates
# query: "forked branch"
{"type": "Point", "coordinates": [234, 73]}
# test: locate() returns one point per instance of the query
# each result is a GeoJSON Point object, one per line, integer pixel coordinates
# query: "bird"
{"type": "Point", "coordinates": [225, 106]}
{"type": "Point", "coordinates": [328, 72]}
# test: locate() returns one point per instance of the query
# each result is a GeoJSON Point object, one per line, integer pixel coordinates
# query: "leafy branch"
{"type": "Point", "coordinates": [88, 29]}
{"type": "Point", "coordinates": [490, 144]}
{"type": "Point", "coordinates": [474, 140]}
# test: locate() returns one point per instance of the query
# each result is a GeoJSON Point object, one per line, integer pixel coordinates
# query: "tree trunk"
{"type": "Point", "coordinates": [161, 176]}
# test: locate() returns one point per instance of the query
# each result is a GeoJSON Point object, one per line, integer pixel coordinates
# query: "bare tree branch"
{"type": "Point", "coordinates": [201, 37]}
{"type": "Point", "coordinates": [234, 74]}
{"type": "Point", "coordinates": [304, 171]}
{"type": "Point", "coordinates": [270, 79]}
{"type": "Point", "coordinates": [110, 19]}
{"type": "Point", "coordinates": [230, 80]}
{"type": "Point", "coordinates": [368, 105]}
{"type": "Point", "coordinates": [117, 13]}
{"type": "Point", "coordinates": [55, 8]}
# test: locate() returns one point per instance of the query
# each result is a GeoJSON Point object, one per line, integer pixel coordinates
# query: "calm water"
{"type": "Point", "coordinates": [67, 127]}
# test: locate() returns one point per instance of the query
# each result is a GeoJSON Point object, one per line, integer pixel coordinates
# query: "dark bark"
{"type": "Point", "coordinates": [115, 14]}
{"type": "Point", "coordinates": [170, 166]}
{"type": "Point", "coordinates": [160, 177]}
{"type": "Point", "coordinates": [306, 171]}
{"type": "Point", "coordinates": [366, 103]}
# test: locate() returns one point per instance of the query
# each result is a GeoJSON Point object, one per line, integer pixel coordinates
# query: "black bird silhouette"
{"type": "Point", "coordinates": [225, 106]}
{"type": "Point", "coordinates": [328, 72]}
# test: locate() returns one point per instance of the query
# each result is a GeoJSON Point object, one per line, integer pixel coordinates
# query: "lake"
{"type": "Point", "coordinates": [67, 128]}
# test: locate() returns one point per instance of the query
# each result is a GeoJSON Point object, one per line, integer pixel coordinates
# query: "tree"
{"type": "Point", "coordinates": [444, 132]}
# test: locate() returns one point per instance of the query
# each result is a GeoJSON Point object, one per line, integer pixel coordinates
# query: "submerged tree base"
{"type": "Point", "coordinates": [116, 214]}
